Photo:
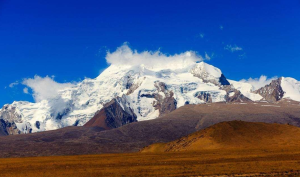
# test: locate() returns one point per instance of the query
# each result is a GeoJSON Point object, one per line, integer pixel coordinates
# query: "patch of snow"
{"type": "Point", "coordinates": [271, 105]}
{"type": "Point", "coordinates": [291, 87]}
{"type": "Point", "coordinates": [246, 89]}
{"type": "Point", "coordinates": [231, 94]}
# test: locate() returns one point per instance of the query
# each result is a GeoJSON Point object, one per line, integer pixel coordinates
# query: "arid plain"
{"type": "Point", "coordinates": [273, 151]}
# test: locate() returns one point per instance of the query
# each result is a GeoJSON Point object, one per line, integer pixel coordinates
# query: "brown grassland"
{"type": "Point", "coordinates": [208, 162]}
{"type": "Point", "coordinates": [233, 148]}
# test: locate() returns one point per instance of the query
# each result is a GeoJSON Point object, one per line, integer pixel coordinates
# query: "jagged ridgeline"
{"type": "Point", "coordinates": [125, 94]}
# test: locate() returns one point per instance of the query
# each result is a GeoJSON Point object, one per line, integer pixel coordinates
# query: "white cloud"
{"type": "Point", "coordinates": [13, 84]}
{"type": "Point", "coordinates": [233, 48]}
{"type": "Point", "coordinates": [25, 90]}
{"type": "Point", "coordinates": [44, 88]}
{"type": "Point", "coordinates": [153, 59]}
{"type": "Point", "coordinates": [259, 82]}
{"type": "Point", "coordinates": [201, 35]}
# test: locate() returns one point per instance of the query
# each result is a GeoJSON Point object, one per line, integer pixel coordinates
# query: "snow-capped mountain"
{"type": "Point", "coordinates": [148, 91]}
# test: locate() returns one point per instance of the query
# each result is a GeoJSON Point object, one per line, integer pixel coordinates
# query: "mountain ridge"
{"type": "Point", "coordinates": [149, 92]}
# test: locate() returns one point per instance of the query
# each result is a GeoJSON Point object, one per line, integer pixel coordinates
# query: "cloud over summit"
{"type": "Point", "coordinates": [124, 55]}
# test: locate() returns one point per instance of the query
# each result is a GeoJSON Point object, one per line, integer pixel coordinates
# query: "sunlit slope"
{"type": "Point", "coordinates": [232, 135]}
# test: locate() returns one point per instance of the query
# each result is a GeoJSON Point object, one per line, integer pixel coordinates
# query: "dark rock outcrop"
{"type": "Point", "coordinates": [167, 103]}
{"type": "Point", "coordinates": [164, 99]}
{"type": "Point", "coordinates": [237, 96]}
{"type": "Point", "coordinates": [114, 114]}
{"type": "Point", "coordinates": [234, 95]}
{"type": "Point", "coordinates": [3, 130]}
{"type": "Point", "coordinates": [8, 120]}
{"type": "Point", "coordinates": [272, 92]}
{"type": "Point", "coordinates": [204, 96]}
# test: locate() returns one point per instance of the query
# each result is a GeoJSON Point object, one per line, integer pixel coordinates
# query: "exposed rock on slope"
{"type": "Point", "coordinates": [3, 130]}
{"type": "Point", "coordinates": [164, 99]}
{"type": "Point", "coordinates": [8, 119]}
{"type": "Point", "coordinates": [234, 95]}
{"type": "Point", "coordinates": [237, 96]}
{"type": "Point", "coordinates": [204, 96]}
{"type": "Point", "coordinates": [114, 114]}
{"type": "Point", "coordinates": [234, 134]}
{"type": "Point", "coordinates": [272, 92]}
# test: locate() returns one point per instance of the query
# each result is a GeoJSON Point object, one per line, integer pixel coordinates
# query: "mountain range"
{"type": "Point", "coordinates": [124, 94]}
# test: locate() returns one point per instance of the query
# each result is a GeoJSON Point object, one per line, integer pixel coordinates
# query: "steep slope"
{"type": "Point", "coordinates": [232, 135]}
{"type": "Point", "coordinates": [291, 88]}
{"type": "Point", "coordinates": [132, 137]}
{"type": "Point", "coordinates": [283, 87]}
{"type": "Point", "coordinates": [3, 131]}
{"type": "Point", "coordinates": [272, 92]}
{"type": "Point", "coordinates": [149, 91]}
{"type": "Point", "coordinates": [113, 115]}
{"type": "Point", "coordinates": [8, 120]}
{"type": "Point", "coordinates": [246, 89]}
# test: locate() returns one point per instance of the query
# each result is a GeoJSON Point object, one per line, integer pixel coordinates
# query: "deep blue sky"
{"type": "Point", "coordinates": [68, 39]}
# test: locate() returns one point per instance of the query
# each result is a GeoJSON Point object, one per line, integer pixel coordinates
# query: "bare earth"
{"type": "Point", "coordinates": [132, 137]}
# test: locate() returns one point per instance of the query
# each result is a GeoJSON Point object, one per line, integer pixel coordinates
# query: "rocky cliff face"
{"type": "Point", "coordinates": [237, 96]}
{"type": "Point", "coordinates": [8, 119]}
{"type": "Point", "coordinates": [234, 95]}
{"type": "Point", "coordinates": [272, 92]}
{"type": "Point", "coordinates": [204, 96]}
{"type": "Point", "coordinates": [114, 114]}
{"type": "Point", "coordinates": [3, 130]}
{"type": "Point", "coordinates": [165, 101]}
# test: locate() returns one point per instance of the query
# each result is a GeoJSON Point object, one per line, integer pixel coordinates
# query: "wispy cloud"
{"type": "Point", "coordinates": [233, 48]}
{"type": "Point", "coordinates": [201, 35]}
{"type": "Point", "coordinates": [259, 82]}
{"type": "Point", "coordinates": [13, 84]}
{"type": "Point", "coordinates": [221, 27]}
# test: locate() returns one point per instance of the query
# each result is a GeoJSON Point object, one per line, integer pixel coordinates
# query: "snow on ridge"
{"type": "Point", "coordinates": [246, 89]}
{"type": "Point", "coordinates": [291, 87]}
{"type": "Point", "coordinates": [77, 104]}
{"type": "Point", "coordinates": [136, 84]}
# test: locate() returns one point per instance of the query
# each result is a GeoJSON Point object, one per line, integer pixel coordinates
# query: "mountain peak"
{"type": "Point", "coordinates": [148, 90]}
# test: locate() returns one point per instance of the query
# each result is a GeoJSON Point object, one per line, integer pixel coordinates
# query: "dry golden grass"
{"type": "Point", "coordinates": [229, 148]}
{"type": "Point", "coordinates": [232, 135]}
{"type": "Point", "coordinates": [209, 162]}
